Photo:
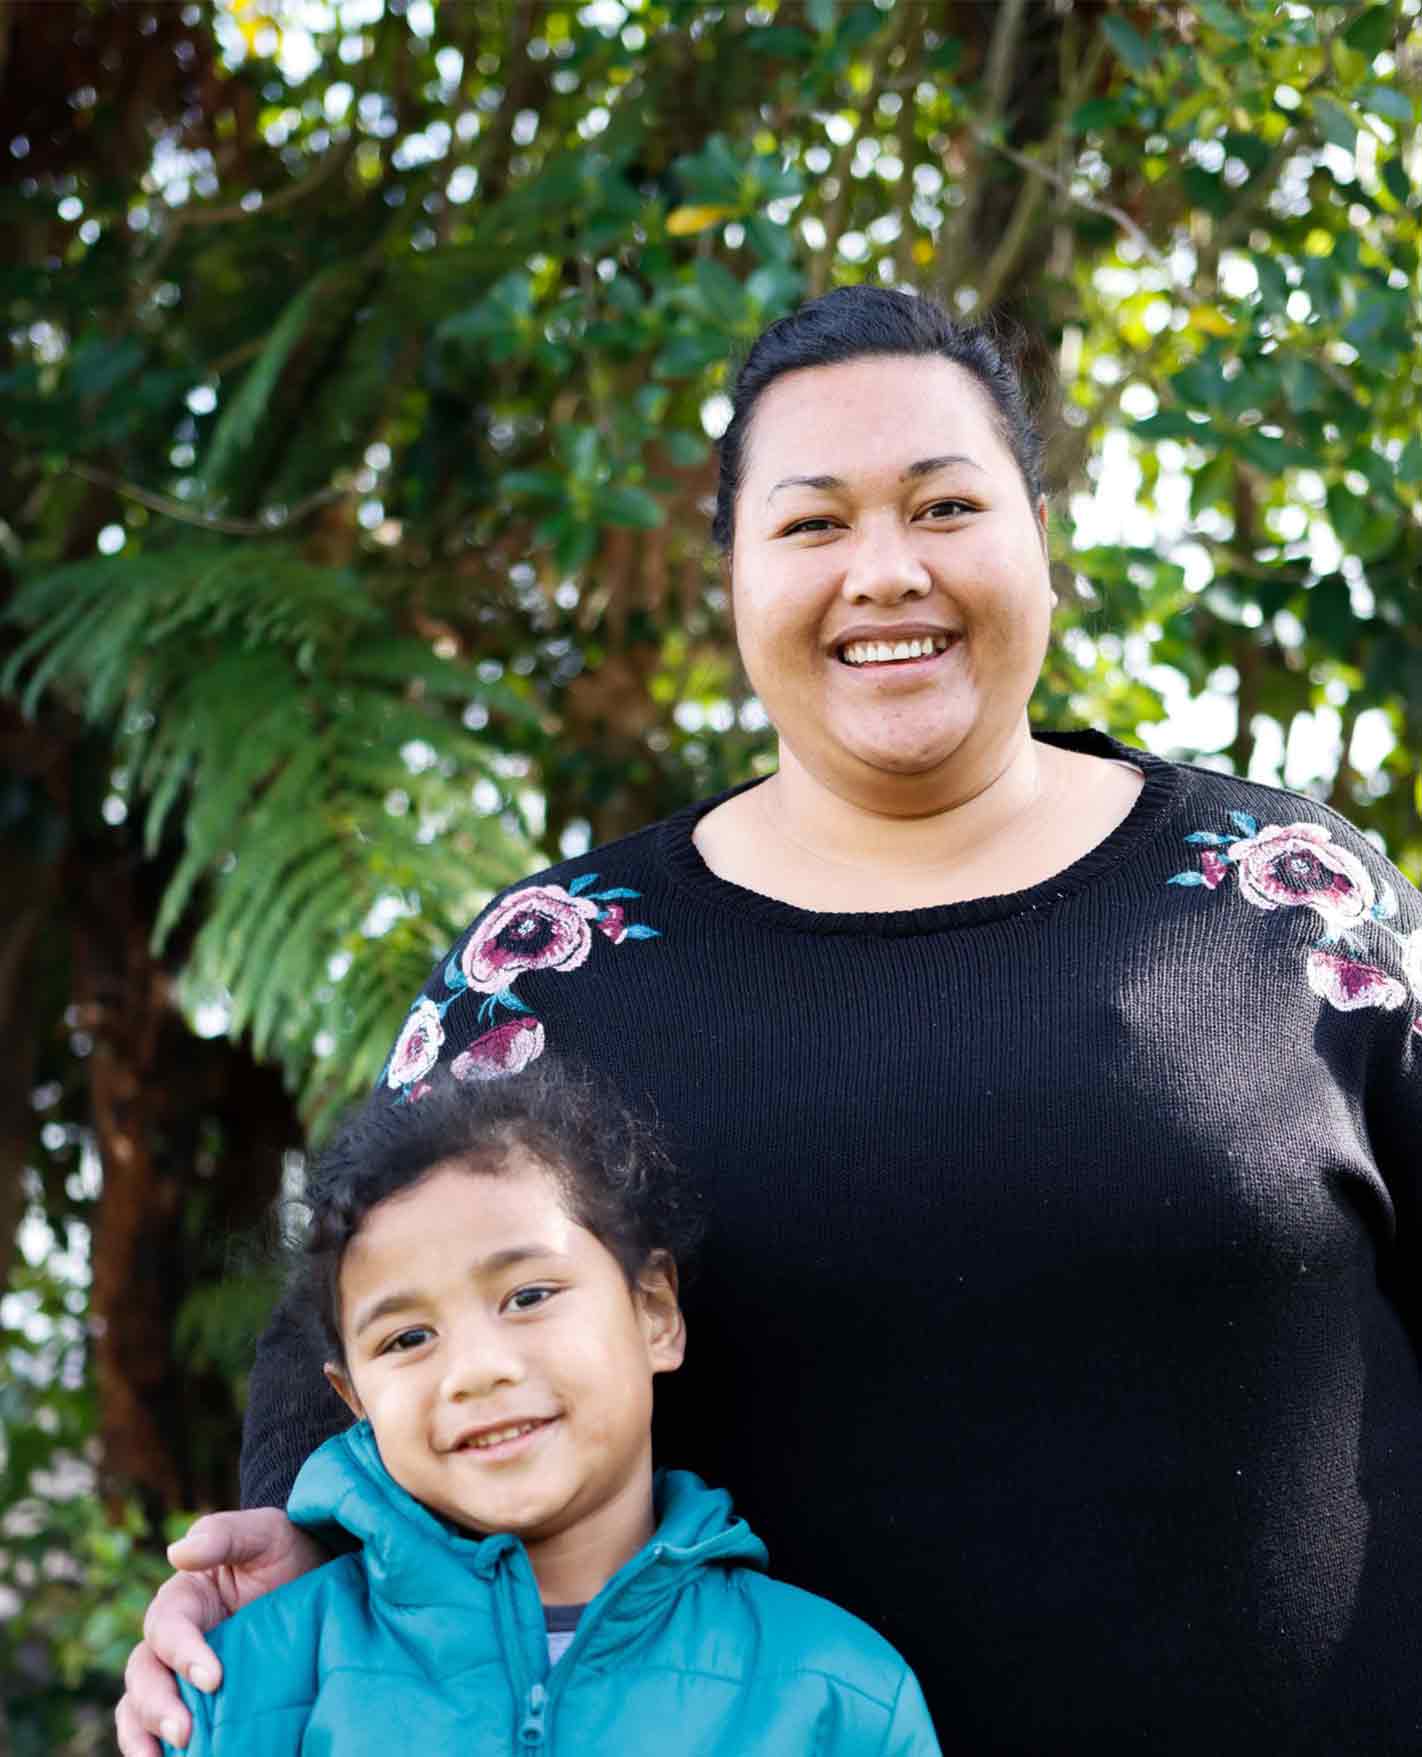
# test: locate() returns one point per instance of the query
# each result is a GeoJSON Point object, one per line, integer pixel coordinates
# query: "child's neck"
{"type": "Point", "coordinates": [573, 1566]}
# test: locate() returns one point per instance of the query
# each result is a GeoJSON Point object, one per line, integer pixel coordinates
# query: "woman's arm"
{"type": "Point", "coordinates": [291, 1409]}
{"type": "Point", "coordinates": [224, 1562]}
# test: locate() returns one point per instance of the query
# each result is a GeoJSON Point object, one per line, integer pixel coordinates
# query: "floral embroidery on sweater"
{"type": "Point", "coordinates": [1297, 866]}
{"type": "Point", "coordinates": [540, 927]}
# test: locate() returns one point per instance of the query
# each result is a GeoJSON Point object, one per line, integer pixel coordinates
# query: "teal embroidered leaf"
{"type": "Point", "coordinates": [1187, 878]}
{"type": "Point", "coordinates": [454, 977]}
{"type": "Point", "coordinates": [508, 998]}
{"type": "Point", "coordinates": [581, 883]}
{"type": "Point", "coordinates": [1386, 906]}
{"type": "Point", "coordinates": [638, 931]}
{"type": "Point", "coordinates": [1244, 823]}
{"type": "Point", "coordinates": [612, 895]}
{"type": "Point", "coordinates": [1208, 836]}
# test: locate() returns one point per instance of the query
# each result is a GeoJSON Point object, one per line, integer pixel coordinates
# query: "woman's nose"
{"type": "Point", "coordinates": [884, 567]}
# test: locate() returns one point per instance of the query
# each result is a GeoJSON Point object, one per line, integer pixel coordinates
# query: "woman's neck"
{"type": "Point", "coordinates": [946, 826]}
{"type": "Point", "coordinates": [1017, 823]}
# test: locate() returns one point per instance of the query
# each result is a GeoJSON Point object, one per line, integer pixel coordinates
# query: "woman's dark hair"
{"type": "Point", "coordinates": [612, 1176]}
{"type": "Point", "coordinates": [852, 323]}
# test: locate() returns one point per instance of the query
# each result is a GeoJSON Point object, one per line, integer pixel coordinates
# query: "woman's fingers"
{"type": "Point", "coordinates": [150, 1705]}
{"type": "Point", "coordinates": [172, 1633]}
{"type": "Point", "coordinates": [244, 1555]}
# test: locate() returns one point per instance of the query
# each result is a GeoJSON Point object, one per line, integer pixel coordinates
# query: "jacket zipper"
{"type": "Point", "coordinates": [531, 1729]}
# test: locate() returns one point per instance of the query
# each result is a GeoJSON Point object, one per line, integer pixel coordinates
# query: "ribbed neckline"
{"type": "Point", "coordinates": [1165, 784]}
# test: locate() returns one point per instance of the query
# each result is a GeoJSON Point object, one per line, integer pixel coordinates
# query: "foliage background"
{"type": "Point", "coordinates": [361, 363]}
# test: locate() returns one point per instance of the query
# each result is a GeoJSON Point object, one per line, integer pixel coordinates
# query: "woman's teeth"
{"type": "Point", "coordinates": [885, 652]}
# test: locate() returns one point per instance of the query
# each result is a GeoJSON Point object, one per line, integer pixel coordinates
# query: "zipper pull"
{"type": "Point", "coordinates": [531, 1731]}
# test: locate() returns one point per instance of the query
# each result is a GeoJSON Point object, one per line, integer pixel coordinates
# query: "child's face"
{"type": "Point", "coordinates": [503, 1361]}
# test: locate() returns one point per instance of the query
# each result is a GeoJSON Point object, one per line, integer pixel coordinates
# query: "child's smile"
{"type": "Point", "coordinates": [506, 1366]}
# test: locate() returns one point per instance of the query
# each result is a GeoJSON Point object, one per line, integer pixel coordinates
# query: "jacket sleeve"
{"type": "Point", "coordinates": [910, 1730]}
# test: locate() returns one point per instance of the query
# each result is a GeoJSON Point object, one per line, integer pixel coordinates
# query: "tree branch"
{"type": "Point", "coordinates": [275, 524]}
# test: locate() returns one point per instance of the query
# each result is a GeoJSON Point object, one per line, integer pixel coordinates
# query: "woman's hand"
{"type": "Point", "coordinates": [224, 1562]}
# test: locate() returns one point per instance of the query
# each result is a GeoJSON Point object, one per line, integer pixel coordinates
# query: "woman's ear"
{"type": "Point", "coordinates": [659, 1312]}
{"type": "Point", "coordinates": [339, 1381]}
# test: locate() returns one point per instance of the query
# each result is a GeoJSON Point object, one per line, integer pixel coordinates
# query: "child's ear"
{"type": "Point", "coordinates": [660, 1313]}
{"type": "Point", "coordinates": [339, 1381]}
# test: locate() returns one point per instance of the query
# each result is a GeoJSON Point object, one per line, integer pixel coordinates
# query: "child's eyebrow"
{"type": "Point", "coordinates": [401, 1299]}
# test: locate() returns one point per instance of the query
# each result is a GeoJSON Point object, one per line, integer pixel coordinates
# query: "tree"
{"type": "Point", "coordinates": [360, 384]}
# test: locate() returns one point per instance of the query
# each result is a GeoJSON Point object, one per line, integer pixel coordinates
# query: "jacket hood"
{"type": "Point", "coordinates": [413, 1557]}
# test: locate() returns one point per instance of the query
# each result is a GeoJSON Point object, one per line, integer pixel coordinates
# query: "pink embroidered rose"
{"type": "Point", "coordinates": [613, 922]}
{"type": "Point", "coordinates": [1213, 868]}
{"type": "Point", "coordinates": [504, 1050]}
{"type": "Point", "coordinates": [541, 928]}
{"type": "Point", "coordinates": [1285, 866]}
{"type": "Point", "coordinates": [1347, 984]}
{"type": "Point", "coordinates": [423, 1090]}
{"type": "Point", "coordinates": [417, 1047]}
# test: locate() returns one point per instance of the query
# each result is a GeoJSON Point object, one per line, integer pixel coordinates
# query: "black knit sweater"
{"type": "Point", "coordinates": [1058, 1312]}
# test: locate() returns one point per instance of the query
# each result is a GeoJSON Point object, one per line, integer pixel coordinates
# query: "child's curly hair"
{"type": "Point", "coordinates": [613, 1176]}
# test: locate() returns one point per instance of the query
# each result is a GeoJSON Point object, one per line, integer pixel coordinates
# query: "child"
{"type": "Point", "coordinates": [495, 1267]}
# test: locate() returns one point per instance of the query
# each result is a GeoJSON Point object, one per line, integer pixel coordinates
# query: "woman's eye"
{"type": "Point", "coordinates": [809, 527]}
{"type": "Point", "coordinates": [525, 1299]}
{"type": "Point", "coordinates": [415, 1337]}
{"type": "Point", "coordinates": [945, 509]}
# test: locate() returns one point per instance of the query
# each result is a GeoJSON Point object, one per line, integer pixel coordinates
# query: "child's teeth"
{"type": "Point", "coordinates": [502, 1434]}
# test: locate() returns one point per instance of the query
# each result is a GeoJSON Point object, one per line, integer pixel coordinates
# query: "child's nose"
{"type": "Point", "coordinates": [481, 1358]}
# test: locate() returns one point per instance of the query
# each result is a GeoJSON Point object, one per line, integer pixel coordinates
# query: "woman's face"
{"type": "Point", "coordinates": [889, 577]}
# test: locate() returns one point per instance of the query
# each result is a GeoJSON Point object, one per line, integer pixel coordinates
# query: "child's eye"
{"type": "Point", "coordinates": [526, 1299]}
{"type": "Point", "coordinates": [414, 1337]}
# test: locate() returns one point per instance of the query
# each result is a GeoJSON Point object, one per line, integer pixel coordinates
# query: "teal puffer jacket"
{"type": "Point", "coordinates": [433, 1644]}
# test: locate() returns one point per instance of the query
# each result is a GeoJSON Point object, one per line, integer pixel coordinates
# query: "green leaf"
{"type": "Point", "coordinates": [1130, 48]}
{"type": "Point", "coordinates": [721, 293]}
{"type": "Point", "coordinates": [1167, 424]}
{"type": "Point", "coordinates": [1409, 465]}
{"type": "Point", "coordinates": [1335, 124]}
{"type": "Point", "coordinates": [1371, 31]}
{"type": "Point", "coordinates": [97, 367]}
{"type": "Point", "coordinates": [713, 175]}
{"type": "Point", "coordinates": [1223, 18]}
{"type": "Point", "coordinates": [238, 423]}
{"type": "Point", "coordinates": [782, 41]}
{"type": "Point", "coordinates": [687, 355]}
{"type": "Point", "coordinates": [1273, 282]}
{"type": "Point", "coordinates": [629, 505]}
{"type": "Point", "coordinates": [1305, 387]}
{"type": "Point", "coordinates": [1394, 176]}
{"type": "Point", "coordinates": [684, 449]}
{"type": "Point", "coordinates": [1213, 484]}
{"type": "Point", "coordinates": [1388, 101]}
{"type": "Point", "coordinates": [771, 242]}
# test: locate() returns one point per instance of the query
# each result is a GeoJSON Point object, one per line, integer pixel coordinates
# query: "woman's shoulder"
{"type": "Point", "coordinates": [1254, 824]}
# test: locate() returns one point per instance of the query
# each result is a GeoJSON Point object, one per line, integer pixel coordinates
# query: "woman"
{"type": "Point", "coordinates": [1056, 1107]}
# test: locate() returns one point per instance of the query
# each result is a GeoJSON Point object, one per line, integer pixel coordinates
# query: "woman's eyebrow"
{"type": "Point", "coordinates": [922, 467]}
